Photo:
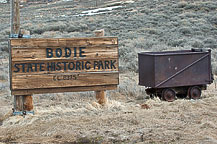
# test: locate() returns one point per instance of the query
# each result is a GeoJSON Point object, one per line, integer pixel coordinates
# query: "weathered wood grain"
{"type": "Point", "coordinates": [101, 97]}
{"type": "Point", "coordinates": [50, 42]}
{"type": "Point", "coordinates": [23, 102]}
{"type": "Point", "coordinates": [99, 52]}
{"type": "Point", "coordinates": [63, 89]}
{"type": "Point", "coordinates": [87, 62]}
{"type": "Point", "coordinates": [28, 103]}
{"type": "Point", "coordinates": [16, 18]}
{"type": "Point", "coordinates": [64, 80]}
{"type": "Point", "coordinates": [19, 102]}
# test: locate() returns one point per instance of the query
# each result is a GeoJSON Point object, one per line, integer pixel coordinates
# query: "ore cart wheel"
{"type": "Point", "coordinates": [169, 95]}
{"type": "Point", "coordinates": [194, 92]}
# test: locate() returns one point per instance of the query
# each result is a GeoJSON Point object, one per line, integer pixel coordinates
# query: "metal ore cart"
{"type": "Point", "coordinates": [175, 73]}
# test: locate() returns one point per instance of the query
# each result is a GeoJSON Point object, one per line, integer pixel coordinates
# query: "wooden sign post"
{"type": "Point", "coordinates": [15, 16]}
{"type": "Point", "coordinates": [21, 102]}
{"type": "Point", "coordinates": [100, 95]}
{"type": "Point", "coordinates": [64, 65]}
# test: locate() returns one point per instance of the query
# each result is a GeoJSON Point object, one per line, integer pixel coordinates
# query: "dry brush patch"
{"type": "Point", "coordinates": [76, 117]}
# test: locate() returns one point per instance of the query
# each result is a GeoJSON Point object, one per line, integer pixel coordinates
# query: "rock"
{"type": "Point", "coordinates": [145, 106]}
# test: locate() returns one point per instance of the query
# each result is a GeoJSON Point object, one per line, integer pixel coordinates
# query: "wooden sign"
{"type": "Point", "coordinates": [63, 65]}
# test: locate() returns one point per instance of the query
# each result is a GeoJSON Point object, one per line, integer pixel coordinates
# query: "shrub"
{"type": "Point", "coordinates": [191, 6]}
{"type": "Point", "coordinates": [129, 58]}
{"type": "Point", "coordinates": [214, 68]}
{"type": "Point", "coordinates": [79, 27]}
{"type": "Point", "coordinates": [210, 43]}
{"type": "Point", "coordinates": [185, 30]}
{"type": "Point", "coordinates": [213, 19]}
{"type": "Point", "coordinates": [181, 4]}
{"type": "Point", "coordinates": [197, 44]}
{"type": "Point", "coordinates": [130, 88]}
{"type": "Point", "coordinates": [150, 30]}
{"type": "Point", "coordinates": [4, 47]}
{"type": "Point", "coordinates": [3, 77]}
{"type": "Point", "coordinates": [177, 42]}
{"type": "Point", "coordinates": [59, 26]}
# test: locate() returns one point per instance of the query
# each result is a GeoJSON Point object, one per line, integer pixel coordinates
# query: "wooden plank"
{"type": "Point", "coordinates": [64, 80]}
{"type": "Point", "coordinates": [66, 66]}
{"type": "Point", "coordinates": [64, 89]}
{"type": "Point", "coordinates": [36, 43]}
{"type": "Point", "coordinates": [71, 52]}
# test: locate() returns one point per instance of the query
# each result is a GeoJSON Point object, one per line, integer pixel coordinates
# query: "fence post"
{"type": "Point", "coordinates": [100, 95]}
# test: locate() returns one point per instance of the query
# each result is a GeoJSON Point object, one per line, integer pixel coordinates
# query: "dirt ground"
{"type": "Point", "coordinates": [77, 118]}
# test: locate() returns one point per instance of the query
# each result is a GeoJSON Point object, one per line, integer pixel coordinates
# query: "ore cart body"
{"type": "Point", "coordinates": [175, 73]}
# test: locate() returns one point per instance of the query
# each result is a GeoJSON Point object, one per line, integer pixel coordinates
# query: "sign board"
{"type": "Point", "coordinates": [63, 65]}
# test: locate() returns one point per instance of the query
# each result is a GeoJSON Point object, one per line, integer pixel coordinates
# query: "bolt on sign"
{"type": "Point", "coordinates": [63, 65]}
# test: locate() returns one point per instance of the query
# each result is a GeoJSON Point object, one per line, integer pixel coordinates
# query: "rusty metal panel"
{"type": "Point", "coordinates": [177, 68]}
{"type": "Point", "coordinates": [146, 70]}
